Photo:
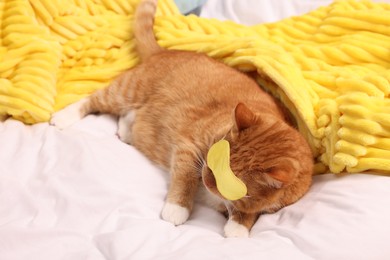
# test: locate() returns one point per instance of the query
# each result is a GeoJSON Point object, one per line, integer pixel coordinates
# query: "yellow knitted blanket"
{"type": "Point", "coordinates": [331, 67]}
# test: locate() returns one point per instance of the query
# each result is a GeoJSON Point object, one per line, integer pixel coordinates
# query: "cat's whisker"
{"type": "Point", "coordinates": [199, 160]}
{"type": "Point", "coordinates": [196, 165]}
{"type": "Point", "coordinates": [223, 137]}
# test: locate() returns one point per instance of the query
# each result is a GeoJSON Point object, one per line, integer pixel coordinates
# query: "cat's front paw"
{"type": "Point", "coordinates": [175, 214]}
{"type": "Point", "coordinates": [67, 116]}
{"type": "Point", "coordinates": [234, 229]}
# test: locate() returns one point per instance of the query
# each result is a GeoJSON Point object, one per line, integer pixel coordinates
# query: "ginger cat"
{"type": "Point", "coordinates": [175, 105]}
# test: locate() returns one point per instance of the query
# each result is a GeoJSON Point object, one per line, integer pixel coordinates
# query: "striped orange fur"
{"type": "Point", "coordinates": [184, 102]}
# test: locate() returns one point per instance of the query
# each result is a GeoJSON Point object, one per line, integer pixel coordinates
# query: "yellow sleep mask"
{"type": "Point", "coordinates": [218, 160]}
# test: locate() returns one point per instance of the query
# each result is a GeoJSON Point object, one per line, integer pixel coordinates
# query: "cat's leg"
{"type": "Point", "coordinates": [183, 186]}
{"type": "Point", "coordinates": [117, 99]}
{"type": "Point", "coordinates": [239, 224]}
{"type": "Point", "coordinates": [125, 126]}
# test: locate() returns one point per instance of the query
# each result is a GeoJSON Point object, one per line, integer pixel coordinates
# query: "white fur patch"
{"type": "Point", "coordinates": [234, 229]}
{"type": "Point", "coordinates": [68, 116]}
{"type": "Point", "coordinates": [125, 127]}
{"type": "Point", "coordinates": [175, 214]}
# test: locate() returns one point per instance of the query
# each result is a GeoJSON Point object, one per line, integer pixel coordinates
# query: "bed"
{"type": "Point", "coordinates": [80, 193]}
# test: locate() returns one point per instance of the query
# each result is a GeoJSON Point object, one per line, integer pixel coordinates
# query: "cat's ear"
{"type": "Point", "coordinates": [243, 118]}
{"type": "Point", "coordinates": [280, 176]}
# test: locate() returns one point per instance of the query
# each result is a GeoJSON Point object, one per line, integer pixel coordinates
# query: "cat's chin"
{"type": "Point", "coordinates": [210, 199]}
{"type": "Point", "coordinates": [209, 180]}
{"type": "Point", "coordinates": [210, 191]}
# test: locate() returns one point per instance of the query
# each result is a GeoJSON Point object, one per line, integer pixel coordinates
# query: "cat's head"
{"type": "Point", "coordinates": [270, 157]}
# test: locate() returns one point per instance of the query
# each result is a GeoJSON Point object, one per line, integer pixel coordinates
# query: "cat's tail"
{"type": "Point", "coordinates": [143, 29]}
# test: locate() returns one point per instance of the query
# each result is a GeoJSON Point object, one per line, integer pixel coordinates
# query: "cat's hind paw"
{"type": "Point", "coordinates": [175, 214]}
{"type": "Point", "coordinates": [125, 125]}
{"type": "Point", "coordinates": [67, 116]}
{"type": "Point", "coordinates": [234, 229]}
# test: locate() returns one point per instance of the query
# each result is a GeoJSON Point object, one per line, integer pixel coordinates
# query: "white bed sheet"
{"type": "Point", "coordinates": [80, 193]}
